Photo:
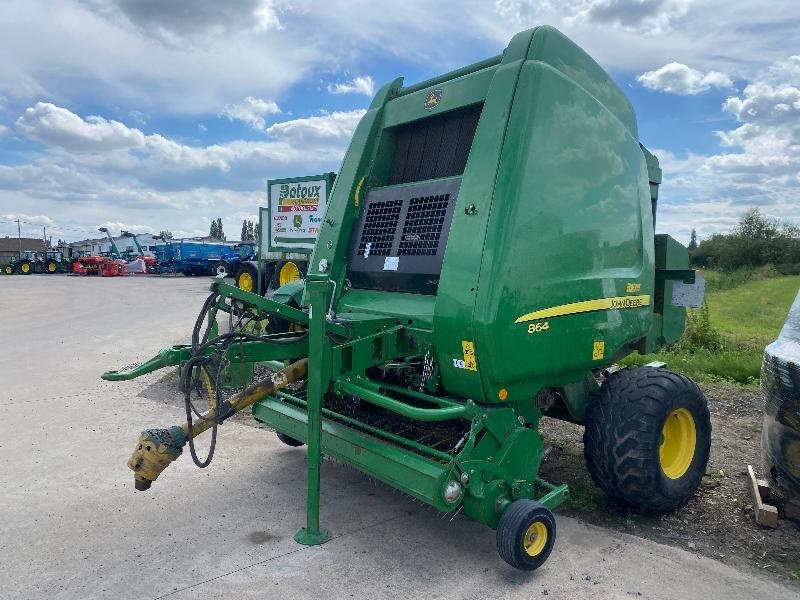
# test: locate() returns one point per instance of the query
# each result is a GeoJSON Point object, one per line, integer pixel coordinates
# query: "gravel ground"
{"type": "Point", "coordinates": [718, 521]}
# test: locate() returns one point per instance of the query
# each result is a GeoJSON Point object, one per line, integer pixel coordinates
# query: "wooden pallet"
{"type": "Point", "coordinates": [766, 514]}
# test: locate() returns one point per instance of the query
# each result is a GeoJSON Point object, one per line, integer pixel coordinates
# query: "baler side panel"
{"type": "Point", "coordinates": [570, 222]}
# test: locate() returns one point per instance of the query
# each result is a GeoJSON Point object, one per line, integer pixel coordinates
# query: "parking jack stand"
{"type": "Point", "coordinates": [318, 288]}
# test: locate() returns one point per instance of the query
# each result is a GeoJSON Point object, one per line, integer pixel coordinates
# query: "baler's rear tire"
{"type": "Point", "coordinates": [648, 438]}
{"type": "Point", "coordinates": [526, 534]}
{"type": "Point", "coordinates": [289, 441]}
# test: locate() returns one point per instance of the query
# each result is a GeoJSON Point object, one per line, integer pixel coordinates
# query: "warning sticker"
{"type": "Point", "coordinates": [598, 350]}
{"type": "Point", "coordinates": [470, 363]}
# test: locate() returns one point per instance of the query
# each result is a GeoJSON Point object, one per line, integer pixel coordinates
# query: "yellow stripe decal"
{"type": "Point", "coordinates": [615, 303]}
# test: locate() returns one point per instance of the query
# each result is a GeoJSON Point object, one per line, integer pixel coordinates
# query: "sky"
{"type": "Point", "coordinates": [148, 115]}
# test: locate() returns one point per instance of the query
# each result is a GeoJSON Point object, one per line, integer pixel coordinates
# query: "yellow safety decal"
{"type": "Point", "coordinates": [598, 350]}
{"type": "Point", "coordinates": [632, 288]}
{"type": "Point", "coordinates": [469, 355]}
{"type": "Point", "coordinates": [357, 194]}
{"type": "Point", "coordinates": [616, 303]}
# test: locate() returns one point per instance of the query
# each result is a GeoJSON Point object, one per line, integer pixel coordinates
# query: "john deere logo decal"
{"type": "Point", "coordinates": [297, 221]}
{"type": "Point", "coordinates": [432, 99]}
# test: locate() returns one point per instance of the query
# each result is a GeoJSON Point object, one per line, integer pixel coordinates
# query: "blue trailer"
{"type": "Point", "coordinates": [192, 257]}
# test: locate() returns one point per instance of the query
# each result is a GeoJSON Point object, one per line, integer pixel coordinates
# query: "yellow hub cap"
{"type": "Point", "coordinates": [289, 272]}
{"type": "Point", "coordinates": [678, 439]}
{"type": "Point", "coordinates": [51, 267]}
{"type": "Point", "coordinates": [26, 267]}
{"type": "Point", "coordinates": [246, 282]}
{"type": "Point", "coordinates": [535, 538]}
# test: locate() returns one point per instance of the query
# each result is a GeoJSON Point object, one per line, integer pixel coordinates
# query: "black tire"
{"type": "Point", "coordinates": [247, 278]}
{"type": "Point", "coordinates": [8, 270]}
{"type": "Point", "coordinates": [519, 534]}
{"type": "Point", "coordinates": [220, 268]}
{"type": "Point", "coordinates": [50, 266]}
{"type": "Point", "coordinates": [289, 441]}
{"type": "Point", "coordinates": [298, 267]}
{"type": "Point", "coordinates": [24, 267]}
{"type": "Point", "coordinates": [188, 272]}
{"type": "Point", "coordinates": [625, 431]}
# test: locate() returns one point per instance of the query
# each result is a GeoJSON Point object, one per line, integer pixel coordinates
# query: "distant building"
{"type": "Point", "coordinates": [10, 247]}
{"type": "Point", "coordinates": [99, 245]}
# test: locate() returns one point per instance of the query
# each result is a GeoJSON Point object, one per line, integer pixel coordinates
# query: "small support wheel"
{"type": "Point", "coordinates": [526, 534]}
{"type": "Point", "coordinates": [289, 441]}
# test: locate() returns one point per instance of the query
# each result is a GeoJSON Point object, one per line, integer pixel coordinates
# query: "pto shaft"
{"type": "Point", "coordinates": [157, 448]}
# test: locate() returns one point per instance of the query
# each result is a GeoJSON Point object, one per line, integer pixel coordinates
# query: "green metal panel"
{"type": "Point", "coordinates": [415, 475]}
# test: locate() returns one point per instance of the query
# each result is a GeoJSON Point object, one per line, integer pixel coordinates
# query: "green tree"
{"type": "Point", "coordinates": [216, 231]}
{"type": "Point", "coordinates": [166, 234]}
{"type": "Point", "coordinates": [693, 241]}
{"type": "Point", "coordinates": [248, 231]}
{"type": "Point", "coordinates": [755, 226]}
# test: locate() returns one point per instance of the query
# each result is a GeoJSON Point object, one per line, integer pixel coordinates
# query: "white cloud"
{"type": "Point", "coordinates": [56, 126]}
{"type": "Point", "coordinates": [677, 78]}
{"type": "Point", "coordinates": [359, 85]}
{"type": "Point", "coordinates": [336, 126]}
{"type": "Point", "coordinates": [759, 167]}
{"type": "Point", "coordinates": [251, 111]}
{"type": "Point", "coordinates": [107, 168]}
{"type": "Point", "coordinates": [648, 17]}
{"type": "Point", "coordinates": [4, 131]}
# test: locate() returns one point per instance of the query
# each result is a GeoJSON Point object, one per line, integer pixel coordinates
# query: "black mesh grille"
{"type": "Point", "coordinates": [380, 225]}
{"type": "Point", "coordinates": [423, 225]}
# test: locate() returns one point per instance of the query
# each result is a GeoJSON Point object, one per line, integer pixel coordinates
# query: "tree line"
{"type": "Point", "coordinates": [756, 241]}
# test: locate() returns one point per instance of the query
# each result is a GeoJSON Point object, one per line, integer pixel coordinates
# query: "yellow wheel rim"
{"type": "Point", "coordinates": [25, 268]}
{"type": "Point", "coordinates": [289, 272]}
{"type": "Point", "coordinates": [535, 538]}
{"type": "Point", "coordinates": [51, 267]}
{"type": "Point", "coordinates": [8, 270]}
{"type": "Point", "coordinates": [678, 440]}
{"type": "Point", "coordinates": [246, 281]}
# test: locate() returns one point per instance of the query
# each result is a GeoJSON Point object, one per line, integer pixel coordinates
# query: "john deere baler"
{"type": "Point", "coordinates": [486, 257]}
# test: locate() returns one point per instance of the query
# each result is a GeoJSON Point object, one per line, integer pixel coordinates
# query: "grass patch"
{"type": "Point", "coordinates": [754, 312]}
{"type": "Point", "coordinates": [704, 365]}
{"type": "Point", "coordinates": [724, 340]}
{"type": "Point", "coordinates": [584, 497]}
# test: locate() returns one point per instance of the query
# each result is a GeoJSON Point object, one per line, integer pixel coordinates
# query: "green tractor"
{"type": "Point", "coordinates": [25, 263]}
{"type": "Point", "coordinates": [487, 257]}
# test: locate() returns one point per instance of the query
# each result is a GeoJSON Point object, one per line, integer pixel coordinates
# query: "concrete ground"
{"type": "Point", "coordinates": [71, 525]}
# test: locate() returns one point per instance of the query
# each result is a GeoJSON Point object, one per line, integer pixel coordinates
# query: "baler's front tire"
{"type": "Point", "coordinates": [289, 441]}
{"type": "Point", "coordinates": [648, 438]}
{"type": "Point", "coordinates": [526, 534]}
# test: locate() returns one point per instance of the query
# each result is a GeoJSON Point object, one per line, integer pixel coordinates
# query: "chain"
{"type": "Point", "coordinates": [427, 369]}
